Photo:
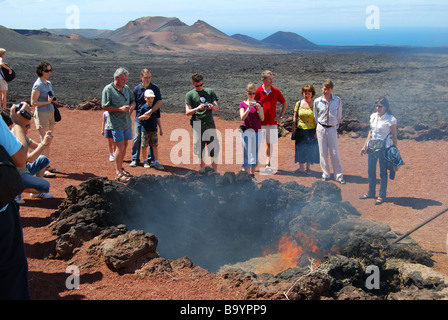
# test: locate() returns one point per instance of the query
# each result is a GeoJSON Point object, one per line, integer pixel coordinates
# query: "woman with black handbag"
{"type": "Point", "coordinates": [304, 131]}
{"type": "Point", "coordinates": [42, 98]}
{"type": "Point", "coordinates": [383, 133]}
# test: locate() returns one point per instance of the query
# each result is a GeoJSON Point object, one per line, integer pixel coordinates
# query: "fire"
{"type": "Point", "coordinates": [288, 253]}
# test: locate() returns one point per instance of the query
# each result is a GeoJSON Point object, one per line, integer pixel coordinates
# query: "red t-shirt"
{"type": "Point", "coordinates": [269, 102]}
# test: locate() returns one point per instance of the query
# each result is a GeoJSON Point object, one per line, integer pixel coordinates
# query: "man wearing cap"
{"type": "Point", "coordinates": [139, 95]}
{"type": "Point", "coordinates": [119, 101]}
{"type": "Point", "coordinates": [200, 103]}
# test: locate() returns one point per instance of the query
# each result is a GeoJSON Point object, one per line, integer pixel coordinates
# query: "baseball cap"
{"type": "Point", "coordinates": [149, 93]}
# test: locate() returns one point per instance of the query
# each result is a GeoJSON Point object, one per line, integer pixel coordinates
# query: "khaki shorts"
{"type": "Point", "coordinates": [150, 138]}
{"type": "Point", "coordinates": [3, 85]}
{"type": "Point", "coordinates": [44, 119]}
{"type": "Point", "coordinates": [270, 134]}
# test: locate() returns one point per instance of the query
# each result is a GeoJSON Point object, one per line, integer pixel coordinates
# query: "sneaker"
{"type": "Point", "coordinates": [42, 195]}
{"type": "Point", "coordinates": [111, 157]}
{"type": "Point", "coordinates": [158, 166]}
{"type": "Point", "coordinates": [325, 179]}
{"type": "Point", "coordinates": [133, 163]}
{"type": "Point", "coordinates": [19, 199]}
{"type": "Point", "coordinates": [341, 181]}
{"type": "Point", "coordinates": [146, 164]}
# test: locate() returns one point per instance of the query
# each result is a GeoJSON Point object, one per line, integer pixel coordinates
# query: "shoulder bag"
{"type": "Point", "coordinates": [10, 179]}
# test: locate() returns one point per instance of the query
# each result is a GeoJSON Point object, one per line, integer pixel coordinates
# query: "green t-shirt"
{"type": "Point", "coordinates": [193, 99]}
{"type": "Point", "coordinates": [112, 97]}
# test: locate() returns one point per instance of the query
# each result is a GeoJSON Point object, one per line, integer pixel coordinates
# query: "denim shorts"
{"type": "Point", "coordinates": [108, 133]}
{"type": "Point", "coordinates": [121, 135]}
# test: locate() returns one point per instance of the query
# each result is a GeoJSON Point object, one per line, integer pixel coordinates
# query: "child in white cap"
{"type": "Point", "coordinates": [150, 125]}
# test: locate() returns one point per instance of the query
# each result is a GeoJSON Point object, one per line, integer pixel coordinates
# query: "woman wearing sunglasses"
{"type": "Point", "coordinates": [251, 113]}
{"type": "Point", "coordinates": [382, 134]}
{"type": "Point", "coordinates": [42, 96]}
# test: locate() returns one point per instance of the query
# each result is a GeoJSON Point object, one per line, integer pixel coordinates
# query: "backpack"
{"type": "Point", "coordinates": [10, 180]}
{"type": "Point", "coordinates": [8, 76]}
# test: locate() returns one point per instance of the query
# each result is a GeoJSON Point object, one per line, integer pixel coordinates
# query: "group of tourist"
{"type": "Point", "coordinates": [37, 165]}
{"type": "Point", "coordinates": [118, 102]}
{"type": "Point", "coordinates": [315, 126]}
{"type": "Point", "coordinates": [315, 134]}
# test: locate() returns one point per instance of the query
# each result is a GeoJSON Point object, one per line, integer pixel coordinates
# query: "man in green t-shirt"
{"type": "Point", "coordinates": [200, 103]}
{"type": "Point", "coordinates": [118, 99]}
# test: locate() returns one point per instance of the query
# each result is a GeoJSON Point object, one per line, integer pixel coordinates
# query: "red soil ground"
{"type": "Point", "coordinates": [80, 152]}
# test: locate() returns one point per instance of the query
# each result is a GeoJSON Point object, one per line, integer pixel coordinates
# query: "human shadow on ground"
{"type": "Point", "coordinates": [47, 286]}
{"type": "Point", "coordinates": [412, 202]}
{"type": "Point", "coordinates": [78, 176]}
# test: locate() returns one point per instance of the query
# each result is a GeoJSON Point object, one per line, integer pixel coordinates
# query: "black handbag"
{"type": "Point", "coordinates": [57, 114]}
{"type": "Point", "coordinates": [376, 145]}
{"type": "Point", "coordinates": [10, 179]}
{"type": "Point", "coordinates": [8, 76]}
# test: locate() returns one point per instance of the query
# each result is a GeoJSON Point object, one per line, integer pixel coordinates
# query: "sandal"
{"type": "Point", "coordinates": [122, 178]}
{"type": "Point", "coordinates": [379, 200]}
{"type": "Point", "coordinates": [125, 173]}
{"type": "Point", "coordinates": [52, 170]}
{"type": "Point", "coordinates": [366, 196]}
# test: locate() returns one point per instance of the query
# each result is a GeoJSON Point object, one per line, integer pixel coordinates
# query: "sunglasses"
{"type": "Point", "coordinates": [380, 106]}
{"type": "Point", "coordinates": [50, 70]}
{"type": "Point", "coordinates": [251, 93]}
{"type": "Point", "coordinates": [199, 85]}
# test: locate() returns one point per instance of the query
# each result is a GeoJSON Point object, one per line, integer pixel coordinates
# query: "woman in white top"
{"type": "Point", "coordinates": [383, 126]}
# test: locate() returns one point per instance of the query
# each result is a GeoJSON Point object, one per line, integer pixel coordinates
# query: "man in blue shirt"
{"type": "Point", "coordinates": [139, 94]}
{"type": "Point", "coordinates": [13, 263]}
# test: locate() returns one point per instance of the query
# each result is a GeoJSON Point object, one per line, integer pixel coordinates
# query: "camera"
{"type": "Point", "coordinates": [23, 113]}
{"type": "Point", "coordinates": [50, 94]}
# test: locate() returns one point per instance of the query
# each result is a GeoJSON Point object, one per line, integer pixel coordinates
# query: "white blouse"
{"type": "Point", "coordinates": [380, 127]}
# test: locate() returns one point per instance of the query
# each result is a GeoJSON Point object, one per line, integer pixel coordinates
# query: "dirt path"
{"type": "Point", "coordinates": [80, 152]}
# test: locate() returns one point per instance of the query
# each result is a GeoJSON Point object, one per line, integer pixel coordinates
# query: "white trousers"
{"type": "Point", "coordinates": [328, 144]}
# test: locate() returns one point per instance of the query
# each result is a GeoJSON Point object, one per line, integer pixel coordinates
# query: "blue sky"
{"type": "Point", "coordinates": [411, 22]}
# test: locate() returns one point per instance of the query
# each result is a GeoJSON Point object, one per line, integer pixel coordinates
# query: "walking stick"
{"type": "Point", "coordinates": [421, 225]}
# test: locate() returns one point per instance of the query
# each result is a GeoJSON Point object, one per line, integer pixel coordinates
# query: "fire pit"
{"type": "Point", "coordinates": [223, 220]}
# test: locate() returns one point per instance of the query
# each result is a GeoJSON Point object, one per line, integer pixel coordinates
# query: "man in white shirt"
{"type": "Point", "coordinates": [328, 116]}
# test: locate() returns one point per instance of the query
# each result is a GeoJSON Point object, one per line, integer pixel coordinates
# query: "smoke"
{"type": "Point", "coordinates": [218, 220]}
{"type": "Point", "coordinates": [212, 219]}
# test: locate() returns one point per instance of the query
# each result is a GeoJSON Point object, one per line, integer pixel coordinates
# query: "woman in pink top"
{"type": "Point", "coordinates": [251, 112]}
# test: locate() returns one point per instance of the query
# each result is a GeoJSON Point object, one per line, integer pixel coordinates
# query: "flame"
{"type": "Point", "coordinates": [288, 253]}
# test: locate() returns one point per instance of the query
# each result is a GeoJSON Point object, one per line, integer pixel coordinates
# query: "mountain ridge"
{"type": "Point", "coordinates": [157, 34]}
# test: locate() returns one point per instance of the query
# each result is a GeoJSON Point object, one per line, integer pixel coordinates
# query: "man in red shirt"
{"type": "Point", "coordinates": [270, 96]}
